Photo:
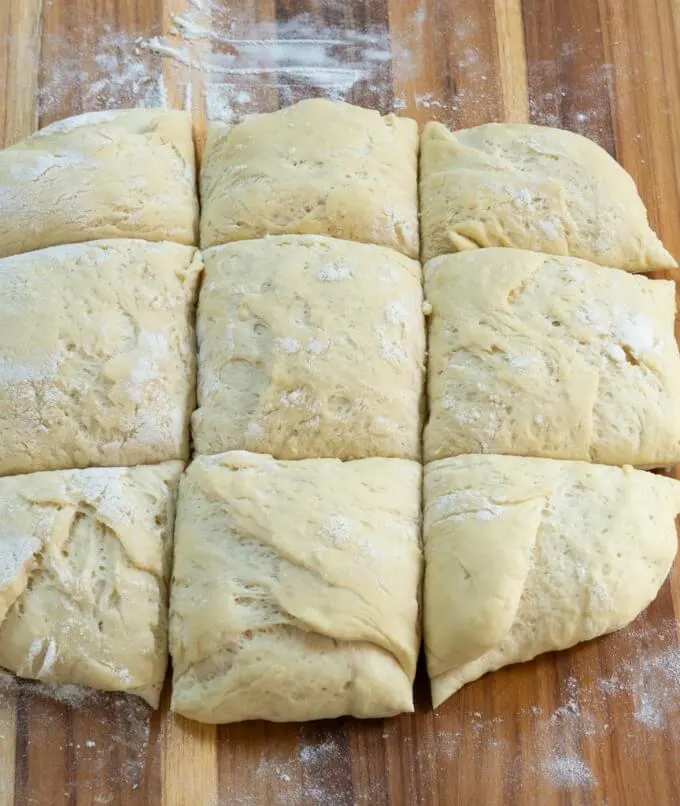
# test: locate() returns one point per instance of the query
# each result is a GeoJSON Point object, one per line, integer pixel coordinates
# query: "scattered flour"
{"type": "Point", "coordinates": [37, 367]}
{"type": "Point", "coordinates": [242, 66]}
{"type": "Point", "coordinates": [567, 772]}
{"type": "Point", "coordinates": [390, 350]}
{"type": "Point", "coordinates": [30, 171]}
{"type": "Point", "coordinates": [332, 272]}
{"type": "Point", "coordinates": [254, 431]}
{"type": "Point", "coordinates": [118, 744]}
{"type": "Point", "coordinates": [15, 552]}
{"type": "Point", "coordinates": [215, 60]}
{"type": "Point", "coordinates": [643, 688]}
{"type": "Point", "coordinates": [104, 488]}
{"type": "Point", "coordinates": [339, 528]}
{"type": "Point", "coordinates": [118, 74]}
{"type": "Point", "coordinates": [638, 333]}
{"type": "Point", "coordinates": [295, 397]}
{"type": "Point", "coordinates": [289, 345]}
{"type": "Point", "coordinates": [397, 312]}
{"type": "Point", "coordinates": [642, 685]}
{"type": "Point", "coordinates": [316, 346]}
{"type": "Point", "coordinates": [651, 682]}
{"type": "Point", "coordinates": [230, 68]}
{"type": "Point", "coordinates": [463, 504]}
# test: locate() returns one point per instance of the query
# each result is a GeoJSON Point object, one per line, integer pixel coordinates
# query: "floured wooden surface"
{"type": "Point", "coordinates": [597, 725]}
{"type": "Point", "coordinates": [570, 715]}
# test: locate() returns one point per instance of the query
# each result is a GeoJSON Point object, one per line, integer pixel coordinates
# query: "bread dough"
{"type": "Point", "coordinates": [295, 588]}
{"type": "Point", "coordinates": [310, 347]}
{"type": "Point", "coordinates": [97, 355]}
{"type": "Point", "coordinates": [548, 356]}
{"type": "Point", "coordinates": [84, 564]}
{"type": "Point", "coordinates": [532, 187]}
{"type": "Point", "coordinates": [119, 174]}
{"type": "Point", "coordinates": [525, 556]}
{"type": "Point", "coordinates": [318, 167]}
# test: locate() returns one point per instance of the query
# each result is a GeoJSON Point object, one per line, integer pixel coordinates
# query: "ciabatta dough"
{"type": "Point", "coordinates": [295, 588]}
{"type": "Point", "coordinates": [84, 564]}
{"type": "Point", "coordinates": [120, 174]}
{"type": "Point", "coordinates": [97, 355]}
{"type": "Point", "coordinates": [310, 347]}
{"type": "Point", "coordinates": [548, 356]}
{"type": "Point", "coordinates": [532, 187]}
{"type": "Point", "coordinates": [525, 556]}
{"type": "Point", "coordinates": [318, 167]}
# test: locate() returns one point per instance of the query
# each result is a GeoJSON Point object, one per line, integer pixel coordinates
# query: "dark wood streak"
{"type": "Point", "coordinates": [21, 777]}
{"type": "Point", "coordinates": [46, 742]}
{"type": "Point", "coordinates": [569, 79]}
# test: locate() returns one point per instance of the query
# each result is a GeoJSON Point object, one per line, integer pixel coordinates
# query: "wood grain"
{"type": "Point", "coordinates": [189, 770]}
{"type": "Point", "coordinates": [8, 725]}
{"type": "Point", "coordinates": [512, 66]}
{"type": "Point", "coordinates": [596, 725]}
{"type": "Point", "coordinates": [20, 23]}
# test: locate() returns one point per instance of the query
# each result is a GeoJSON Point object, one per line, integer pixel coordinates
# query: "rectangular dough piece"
{"type": "Point", "coordinates": [318, 167]}
{"type": "Point", "coordinates": [532, 187]}
{"type": "Point", "coordinates": [525, 556]}
{"type": "Point", "coordinates": [84, 565]}
{"type": "Point", "coordinates": [310, 347]}
{"type": "Point", "coordinates": [547, 356]}
{"type": "Point", "coordinates": [97, 355]}
{"type": "Point", "coordinates": [295, 588]}
{"type": "Point", "coordinates": [126, 173]}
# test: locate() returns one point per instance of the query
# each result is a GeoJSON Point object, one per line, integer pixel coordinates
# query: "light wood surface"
{"type": "Point", "coordinates": [596, 726]}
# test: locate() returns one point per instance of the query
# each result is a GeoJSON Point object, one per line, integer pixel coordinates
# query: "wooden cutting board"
{"type": "Point", "coordinates": [596, 725]}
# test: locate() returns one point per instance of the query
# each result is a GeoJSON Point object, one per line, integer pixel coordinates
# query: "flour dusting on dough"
{"type": "Point", "coordinates": [333, 271]}
{"type": "Point", "coordinates": [36, 368]}
{"type": "Point", "coordinates": [15, 552]}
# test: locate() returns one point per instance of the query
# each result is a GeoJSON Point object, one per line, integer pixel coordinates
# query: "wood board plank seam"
{"type": "Point", "coordinates": [512, 60]}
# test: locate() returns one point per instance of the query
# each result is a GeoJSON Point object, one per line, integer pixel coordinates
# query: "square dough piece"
{"type": "Point", "coordinates": [121, 174]}
{"type": "Point", "coordinates": [526, 556]}
{"type": "Point", "coordinates": [548, 356]}
{"type": "Point", "coordinates": [84, 565]}
{"type": "Point", "coordinates": [310, 347]}
{"type": "Point", "coordinates": [97, 355]}
{"type": "Point", "coordinates": [295, 589]}
{"type": "Point", "coordinates": [318, 167]}
{"type": "Point", "coordinates": [532, 187]}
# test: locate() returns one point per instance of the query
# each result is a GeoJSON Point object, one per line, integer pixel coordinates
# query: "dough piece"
{"type": "Point", "coordinates": [121, 174]}
{"type": "Point", "coordinates": [551, 356]}
{"type": "Point", "coordinates": [310, 347]}
{"type": "Point", "coordinates": [97, 355]}
{"type": "Point", "coordinates": [295, 588]}
{"type": "Point", "coordinates": [318, 167]}
{"type": "Point", "coordinates": [84, 565]}
{"type": "Point", "coordinates": [532, 187]}
{"type": "Point", "coordinates": [525, 556]}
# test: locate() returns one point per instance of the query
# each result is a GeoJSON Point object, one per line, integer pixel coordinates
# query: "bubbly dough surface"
{"type": "Point", "coordinates": [295, 588]}
{"type": "Point", "coordinates": [318, 167]}
{"type": "Point", "coordinates": [119, 174]}
{"type": "Point", "coordinates": [310, 347]}
{"type": "Point", "coordinates": [525, 556]}
{"type": "Point", "coordinates": [548, 356]}
{"type": "Point", "coordinates": [97, 355]}
{"type": "Point", "coordinates": [84, 564]}
{"type": "Point", "coordinates": [532, 187]}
